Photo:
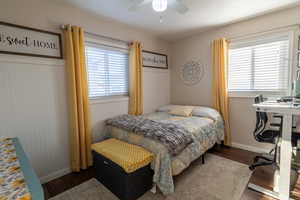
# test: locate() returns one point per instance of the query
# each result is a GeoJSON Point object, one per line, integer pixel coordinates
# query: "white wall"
{"type": "Point", "coordinates": [33, 103]}
{"type": "Point", "coordinates": [242, 115]}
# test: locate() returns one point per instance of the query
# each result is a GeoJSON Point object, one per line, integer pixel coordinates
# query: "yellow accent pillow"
{"type": "Point", "coordinates": [128, 156]}
{"type": "Point", "coordinates": [185, 111]}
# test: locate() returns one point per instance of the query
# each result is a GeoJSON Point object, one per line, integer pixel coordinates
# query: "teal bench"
{"type": "Point", "coordinates": [32, 181]}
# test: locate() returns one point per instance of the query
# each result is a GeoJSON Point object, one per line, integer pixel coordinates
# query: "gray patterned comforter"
{"type": "Point", "coordinates": [206, 128]}
{"type": "Point", "coordinates": [174, 137]}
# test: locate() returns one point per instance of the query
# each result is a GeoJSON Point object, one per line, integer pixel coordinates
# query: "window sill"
{"type": "Point", "coordinates": [254, 94]}
{"type": "Point", "coordinates": [106, 100]}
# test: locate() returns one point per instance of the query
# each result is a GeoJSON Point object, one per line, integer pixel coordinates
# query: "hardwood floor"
{"type": "Point", "coordinates": [262, 176]}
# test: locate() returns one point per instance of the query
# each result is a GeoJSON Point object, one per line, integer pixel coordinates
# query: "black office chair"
{"type": "Point", "coordinates": [268, 136]}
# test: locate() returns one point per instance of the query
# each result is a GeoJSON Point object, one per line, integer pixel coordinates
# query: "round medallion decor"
{"type": "Point", "coordinates": [192, 72]}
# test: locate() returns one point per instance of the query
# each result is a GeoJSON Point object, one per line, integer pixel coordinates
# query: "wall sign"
{"type": "Point", "coordinates": [155, 60]}
{"type": "Point", "coordinates": [20, 40]}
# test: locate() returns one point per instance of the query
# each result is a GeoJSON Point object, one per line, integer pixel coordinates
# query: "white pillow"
{"type": "Point", "coordinates": [208, 112]}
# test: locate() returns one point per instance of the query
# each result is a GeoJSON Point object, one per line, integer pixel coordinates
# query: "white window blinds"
{"type": "Point", "coordinates": [260, 66]}
{"type": "Point", "coordinates": [107, 71]}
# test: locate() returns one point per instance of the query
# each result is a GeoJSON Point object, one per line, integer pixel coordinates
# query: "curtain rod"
{"type": "Point", "coordinates": [63, 27]}
{"type": "Point", "coordinates": [262, 32]}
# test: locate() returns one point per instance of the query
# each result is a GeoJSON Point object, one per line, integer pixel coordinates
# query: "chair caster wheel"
{"type": "Point", "coordinates": [251, 168]}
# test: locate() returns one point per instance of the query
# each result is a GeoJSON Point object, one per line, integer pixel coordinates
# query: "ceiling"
{"type": "Point", "coordinates": [202, 15]}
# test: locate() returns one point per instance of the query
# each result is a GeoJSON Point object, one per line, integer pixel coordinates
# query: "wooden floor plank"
{"type": "Point", "coordinates": [263, 176]}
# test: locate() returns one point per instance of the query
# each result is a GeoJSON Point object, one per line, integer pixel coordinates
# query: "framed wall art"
{"type": "Point", "coordinates": [155, 60]}
{"type": "Point", "coordinates": [21, 40]}
{"type": "Point", "coordinates": [192, 72]}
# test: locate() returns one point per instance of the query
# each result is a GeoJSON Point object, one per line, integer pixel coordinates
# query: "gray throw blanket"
{"type": "Point", "coordinates": [175, 138]}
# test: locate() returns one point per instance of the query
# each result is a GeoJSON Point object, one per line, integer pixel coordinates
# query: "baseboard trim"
{"type": "Point", "coordinates": [62, 172]}
{"type": "Point", "coordinates": [249, 148]}
{"type": "Point", "coordinates": [54, 175]}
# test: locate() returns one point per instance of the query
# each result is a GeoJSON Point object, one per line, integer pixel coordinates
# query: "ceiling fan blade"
{"type": "Point", "coordinates": [181, 7]}
{"type": "Point", "coordinates": [135, 4]}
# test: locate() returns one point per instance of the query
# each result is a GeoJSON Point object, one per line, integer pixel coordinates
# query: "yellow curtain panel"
{"type": "Point", "coordinates": [80, 131]}
{"type": "Point", "coordinates": [135, 79]}
{"type": "Point", "coordinates": [220, 92]}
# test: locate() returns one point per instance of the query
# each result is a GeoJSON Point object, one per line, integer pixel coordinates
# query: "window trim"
{"type": "Point", "coordinates": [106, 42]}
{"type": "Point", "coordinates": [108, 99]}
{"type": "Point", "coordinates": [251, 94]}
{"type": "Point", "coordinates": [253, 40]}
{"type": "Point", "coordinates": [109, 44]}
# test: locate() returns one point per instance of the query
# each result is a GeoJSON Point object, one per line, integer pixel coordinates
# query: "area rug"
{"type": "Point", "coordinates": [218, 179]}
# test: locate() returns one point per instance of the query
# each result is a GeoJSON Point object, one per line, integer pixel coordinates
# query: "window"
{"type": "Point", "coordinates": [107, 70]}
{"type": "Point", "coordinates": [260, 67]}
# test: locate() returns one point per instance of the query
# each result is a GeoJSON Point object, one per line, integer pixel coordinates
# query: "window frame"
{"type": "Point", "coordinates": [119, 46]}
{"type": "Point", "coordinates": [259, 39]}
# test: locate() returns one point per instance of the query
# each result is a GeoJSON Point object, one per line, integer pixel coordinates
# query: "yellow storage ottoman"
{"type": "Point", "coordinates": [123, 168]}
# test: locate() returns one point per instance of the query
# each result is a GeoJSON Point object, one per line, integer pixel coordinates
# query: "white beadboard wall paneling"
{"type": "Point", "coordinates": [33, 108]}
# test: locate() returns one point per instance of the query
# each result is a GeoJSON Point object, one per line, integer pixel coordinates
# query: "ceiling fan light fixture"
{"type": "Point", "coordinates": [159, 5]}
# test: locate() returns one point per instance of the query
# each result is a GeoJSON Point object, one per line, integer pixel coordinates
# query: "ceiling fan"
{"type": "Point", "coordinates": [160, 5]}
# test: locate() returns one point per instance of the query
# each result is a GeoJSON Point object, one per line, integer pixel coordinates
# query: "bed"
{"type": "Point", "coordinates": [205, 126]}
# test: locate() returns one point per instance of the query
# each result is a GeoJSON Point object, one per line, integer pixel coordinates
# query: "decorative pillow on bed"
{"type": "Point", "coordinates": [166, 108]}
{"type": "Point", "coordinates": [185, 111]}
{"type": "Point", "coordinates": [200, 111]}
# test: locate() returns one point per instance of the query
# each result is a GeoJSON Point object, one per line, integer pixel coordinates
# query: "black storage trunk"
{"type": "Point", "coordinates": [125, 186]}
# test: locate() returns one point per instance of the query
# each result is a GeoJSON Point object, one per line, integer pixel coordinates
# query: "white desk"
{"type": "Point", "coordinates": [287, 110]}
